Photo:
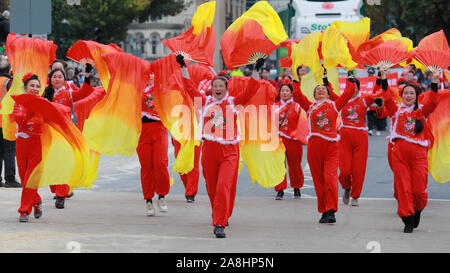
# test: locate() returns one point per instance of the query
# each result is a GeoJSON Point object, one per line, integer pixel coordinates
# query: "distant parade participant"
{"type": "Point", "coordinates": [220, 152]}
{"type": "Point", "coordinates": [152, 153]}
{"type": "Point", "coordinates": [411, 139]}
{"type": "Point", "coordinates": [289, 113]}
{"type": "Point", "coordinates": [323, 147]}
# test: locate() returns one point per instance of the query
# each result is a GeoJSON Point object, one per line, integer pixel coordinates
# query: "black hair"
{"type": "Point", "coordinates": [220, 78]}
{"type": "Point", "coordinates": [358, 84]}
{"type": "Point", "coordinates": [418, 127]}
{"type": "Point", "coordinates": [328, 90]}
{"type": "Point", "coordinates": [49, 91]}
{"type": "Point", "coordinates": [60, 61]}
{"type": "Point", "coordinates": [34, 77]}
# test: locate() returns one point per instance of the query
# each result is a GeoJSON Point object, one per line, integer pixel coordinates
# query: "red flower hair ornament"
{"type": "Point", "coordinates": [27, 76]}
{"type": "Point", "coordinates": [287, 81]}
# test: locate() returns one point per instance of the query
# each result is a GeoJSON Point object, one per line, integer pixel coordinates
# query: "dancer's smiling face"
{"type": "Point", "coordinates": [33, 87]}
{"type": "Point", "coordinates": [409, 95]}
{"type": "Point", "coordinates": [321, 93]}
{"type": "Point", "coordinates": [285, 93]}
{"type": "Point", "coordinates": [219, 88]}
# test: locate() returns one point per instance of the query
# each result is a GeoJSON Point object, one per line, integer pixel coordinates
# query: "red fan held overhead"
{"type": "Point", "coordinates": [246, 46]}
{"type": "Point", "coordinates": [433, 52]}
{"type": "Point", "coordinates": [254, 35]}
{"type": "Point", "coordinates": [387, 54]}
{"type": "Point", "coordinates": [199, 42]}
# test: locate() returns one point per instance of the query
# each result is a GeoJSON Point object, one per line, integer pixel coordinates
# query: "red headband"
{"type": "Point", "coordinates": [27, 77]}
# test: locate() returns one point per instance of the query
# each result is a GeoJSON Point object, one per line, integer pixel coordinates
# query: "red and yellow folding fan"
{"type": "Point", "coordinates": [24, 55]}
{"type": "Point", "coordinates": [378, 40]}
{"type": "Point", "coordinates": [386, 55]}
{"type": "Point", "coordinates": [91, 52]}
{"type": "Point", "coordinates": [176, 108]}
{"type": "Point", "coordinates": [65, 153]}
{"type": "Point", "coordinates": [335, 51]}
{"type": "Point", "coordinates": [306, 52]}
{"type": "Point", "coordinates": [356, 33]}
{"type": "Point", "coordinates": [114, 125]}
{"type": "Point", "coordinates": [439, 123]}
{"type": "Point", "coordinates": [198, 42]}
{"type": "Point", "coordinates": [433, 52]}
{"type": "Point", "coordinates": [260, 147]}
{"type": "Point", "coordinates": [83, 108]}
{"type": "Point", "coordinates": [256, 34]}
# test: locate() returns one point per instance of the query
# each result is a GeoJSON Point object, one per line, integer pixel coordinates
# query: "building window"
{"type": "Point", "coordinates": [154, 44]}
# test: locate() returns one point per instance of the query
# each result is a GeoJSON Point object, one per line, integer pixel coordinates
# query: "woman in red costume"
{"type": "Point", "coordinates": [289, 113]}
{"type": "Point", "coordinates": [57, 92]}
{"type": "Point", "coordinates": [152, 152]}
{"type": "Point", "coordinates": [220, 151]}
{"type": "Point", "coordinates": [322, 153]}
{"type": "Point", "coordinates": [411, 139]}
{"type": "Point", "coordinates": [354, 145]}
{"type": "Point", "coordinates": [28, 149]}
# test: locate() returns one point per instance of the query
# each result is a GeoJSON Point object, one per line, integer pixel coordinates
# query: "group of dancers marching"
{"type": "Point", "coordinates": [329, 148]}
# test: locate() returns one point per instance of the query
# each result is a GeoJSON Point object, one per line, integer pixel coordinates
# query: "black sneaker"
{"type": "Point", "coordinates": [331, 217]}
{"type": "Point", "coordinates": [59, 203]}
{"type": "Point", "coordinates": [417, 218]}
{"type": "Point", "coordinates": [190, 199]}
{"type": "Point", "coordinates": [297, 193]}
{"type": "Point", "coordinates": [12, 184]}
{"type": "Point", "coordinates": [280, 195]}
{"type": "Point", "coordinates": [324, 218]}
{"type": "Point", "coordinates": [38, 210]}
{"type": "Point", "coordinates": [219, 231]}
{"type": "Point", "coordinates": [409, 224]}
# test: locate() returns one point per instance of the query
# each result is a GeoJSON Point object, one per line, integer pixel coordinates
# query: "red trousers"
{"type": "Point", "coordinates": [60, 190]}
{"type": "Point", "coordinates": [29, 155]}
{"type": "Point", "coordinates": [353, 150]}
{"type": "Point", "coordinates": [410, 167]}
{"type": "Point", "coordinates": [220, 165]}
{"type": "Point", "coordinates": [389, 155]}
{"type": "Point", "coordinates": [190, 180]}
{"type": "Point", "coordinates": [152, 153]}
{"type": "Point", "coordinates": [323, 160]}
{"type": "Point", "coordinates": [294, 152]}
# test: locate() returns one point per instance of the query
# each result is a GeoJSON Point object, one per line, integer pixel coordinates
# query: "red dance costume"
{"type": "Point", "coordinates": [152, 150]}
{"type": "Point", "coordinates": [220, 154]}
{"type": "Point", "coordinates": [28, 154]}
{"type": "Point", "coordinates": [354, 144]}
{"type": "Point", "coordinates": [289, 112]}
{"type": "Point", "coordinates": [67, 95]}
{"type": "Point", "coordinates": [190, 180]}
{"type": "Point", "coordinates": [322, 153]}
{"type": "Point", "coordinates": [409, 153]}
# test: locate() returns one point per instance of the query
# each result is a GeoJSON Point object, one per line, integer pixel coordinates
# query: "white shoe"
{"type": "Point", "coordinates": [378, 133]}
{"type": "Point", "coordinates": [355, 202]}
{"type": "Point", "coordinates": [162, 204]}
{"type": "Point", "coordinates": [346, 197]}
{"type": "Point", "coordinates": [150, 209]}
{"type": "Point", "coordinates": [370, 133]}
